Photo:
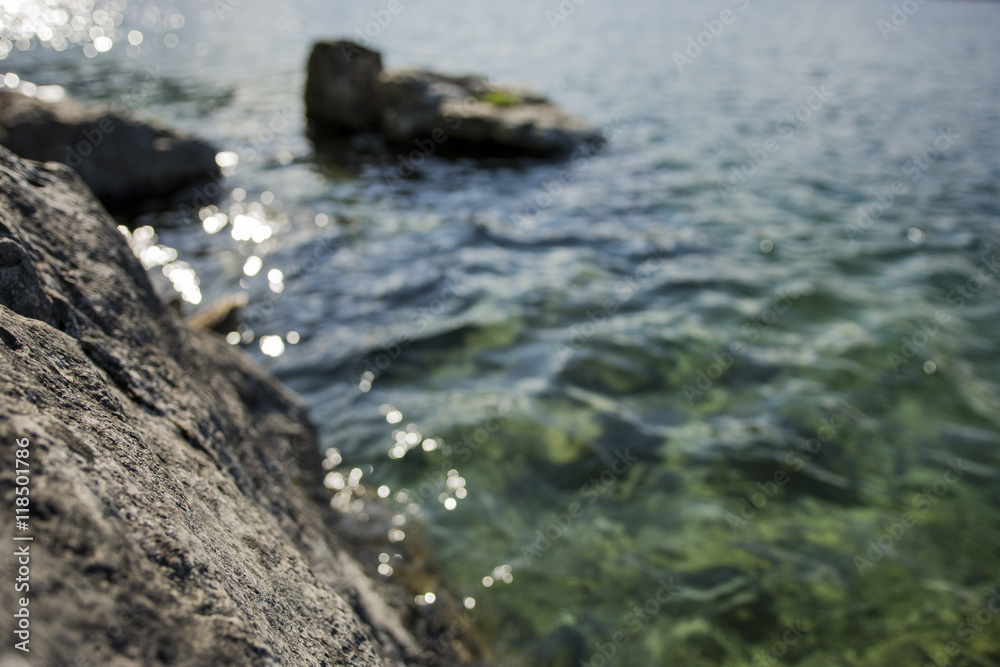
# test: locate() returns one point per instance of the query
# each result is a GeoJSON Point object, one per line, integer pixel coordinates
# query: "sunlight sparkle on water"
{"type": "Point", "coordinates": [365, 384]}
{"type": "Point", "coordinates": [184, 280]}
{"type": "Point", "coordinates": [272, 346]}
{"type": "Point", "coordinates": [227, 159]}
{"type": "Point", "coordinates": [58, 24]}
{"type": "Point", "coordinates": [253, 265]}
{"type": "Point", "coordinates": [333, 458]}
{"type": "Point", "coordinates": [213, 224]}
{"type": "Point", "coordinates": [246, 228]}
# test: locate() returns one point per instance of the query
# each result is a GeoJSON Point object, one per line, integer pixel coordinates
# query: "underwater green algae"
{"type": "Point", "coordinates": [828, 522]}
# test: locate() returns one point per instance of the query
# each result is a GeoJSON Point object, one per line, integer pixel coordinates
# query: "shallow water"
{"type": "Point", "coordinates": [725, 392]}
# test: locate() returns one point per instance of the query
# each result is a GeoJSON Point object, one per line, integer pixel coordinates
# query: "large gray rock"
{"type": "Point", "coordinates": [465, 114]}
{"type": "Point", "coordinates": [347, 92]}
{"type": "Point", "coordinates": [121, 159]}
{"type": "Point", "coordinates": [174, 487]}
{"type": "Point", "coordinates": [343, 90]}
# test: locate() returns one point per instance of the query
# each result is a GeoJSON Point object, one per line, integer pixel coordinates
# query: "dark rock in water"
{"type": "Point", "coordinates": [121, 159]}
{"type": "Point", "coordinates": [175, 504]}
{"type": "Point", "coordinates": [343, 90]}
{"type": "Point", "coordinates": [465, 114]}
{"type": "Point", "coordinates": [346, 91]}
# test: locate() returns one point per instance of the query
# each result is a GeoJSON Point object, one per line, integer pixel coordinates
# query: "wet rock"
{"type": "Point", "coordinates": [432, 113]}
{"type": "Point", "coordinates": [465, 114]}
{"type": "Point", "coordinates": [123, 160]}
{"type": "Point", "coordinates": [175, 503]}
{"type": "Point", "coordinates": [343, 90]}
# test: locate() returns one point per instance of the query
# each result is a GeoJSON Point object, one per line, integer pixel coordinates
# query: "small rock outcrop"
{"type": "Point", "coordinates": [175, 508]}
{"type": "Point", "coordinates": [343, 89]}
{"type": "Point", "coordinates": [121, 159]}
{"type": "Point", "coordinates": [347, 92]}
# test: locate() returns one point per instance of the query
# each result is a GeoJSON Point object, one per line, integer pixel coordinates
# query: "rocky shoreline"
{"type": "Point", "coordinates": [176, 509]}
{"type": "Point", "coordinates": [347, 92]}
{"type": "Point", "coordinates": [122, 159]}
{"type": "Point", "coordinates": [175, 505]}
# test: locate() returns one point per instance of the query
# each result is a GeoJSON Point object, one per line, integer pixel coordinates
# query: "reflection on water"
{"type": "Point", "coordinates": [711, 406]}
{"type": "Point", "coordinates": [98, 26]}
{"type": "Point", "coordinates": [57, 25]}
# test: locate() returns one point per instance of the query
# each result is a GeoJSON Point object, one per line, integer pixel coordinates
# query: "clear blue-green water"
{"type": "Point", "coordinates": [696, 415]}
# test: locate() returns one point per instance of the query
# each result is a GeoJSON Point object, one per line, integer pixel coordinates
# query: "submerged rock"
{"type": "Point", "coordinates": [175, 508]}
{"type": "Point", "coordinates": [121, 159]}
{"type": "Point", "coordinates": [348, 92]}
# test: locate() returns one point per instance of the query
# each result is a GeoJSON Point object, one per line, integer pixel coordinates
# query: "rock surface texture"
{"type": "Point", "coordinates": [460, 115]}
{"type": "Point", "coordinates": [121, 159]}
{"type": "Point", "coordinates": [174, 486]}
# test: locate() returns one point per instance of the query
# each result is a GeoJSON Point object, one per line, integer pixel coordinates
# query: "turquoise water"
{"type": "Point", "coordinates": [723, 393]}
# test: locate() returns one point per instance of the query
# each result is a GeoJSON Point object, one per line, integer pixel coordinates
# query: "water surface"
{"type": "Point", "coordinates": [723, 393]}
